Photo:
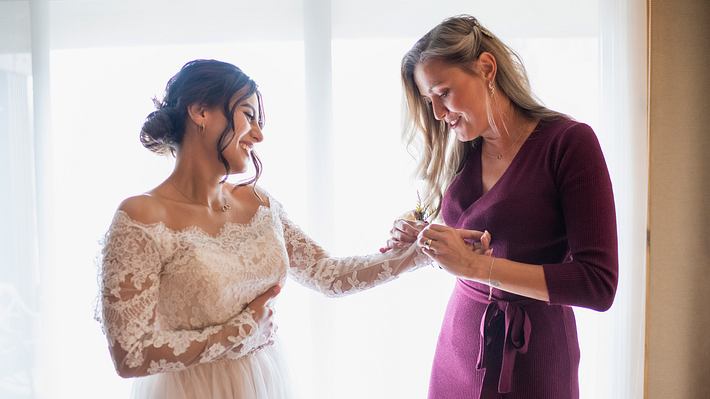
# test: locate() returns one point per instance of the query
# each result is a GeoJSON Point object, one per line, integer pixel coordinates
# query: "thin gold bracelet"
{"type": "Point", "coordinates": [490, 274]}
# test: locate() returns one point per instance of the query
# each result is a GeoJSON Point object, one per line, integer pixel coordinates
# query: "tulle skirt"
{"type": "Point", "coordinates": [260, 375]}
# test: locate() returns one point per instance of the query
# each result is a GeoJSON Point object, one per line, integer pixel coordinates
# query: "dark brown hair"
{"type": "Point", "coordinates": [209, 83]}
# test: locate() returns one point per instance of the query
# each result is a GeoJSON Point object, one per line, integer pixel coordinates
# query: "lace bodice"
{"type": "Point", "coordinates": [173, 298]}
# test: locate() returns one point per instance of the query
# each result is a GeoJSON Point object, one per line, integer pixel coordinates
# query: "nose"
{"type": "Point", "coordinates": [256, 133]}
{"type": "Point", "coordinates": [438, 109]}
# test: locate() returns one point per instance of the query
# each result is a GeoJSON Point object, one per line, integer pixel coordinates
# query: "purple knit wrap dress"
{"type": "Point", "coordinates": [553, 207]}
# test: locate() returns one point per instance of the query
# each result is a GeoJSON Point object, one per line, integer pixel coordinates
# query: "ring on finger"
{"type": "Point", "coordinates": [427, 244]}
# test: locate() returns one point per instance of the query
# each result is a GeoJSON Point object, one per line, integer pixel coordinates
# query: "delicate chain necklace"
{"type": "Point", "coordinates": [224, 208]}
{"type": "Point", "coordinates": [500, 155]}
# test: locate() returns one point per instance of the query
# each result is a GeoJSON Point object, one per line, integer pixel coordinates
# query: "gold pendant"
{"type": "Point", "coordinates": [226, 207]}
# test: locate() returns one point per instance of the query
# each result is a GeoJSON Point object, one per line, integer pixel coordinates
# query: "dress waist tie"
{"type": "Point", "coordinates": [517, 332]}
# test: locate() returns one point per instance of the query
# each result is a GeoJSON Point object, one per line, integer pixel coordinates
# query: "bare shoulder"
{"type": "Point", "coordinates": [144, 208]}
{"type": "Point", "coordinates": [250, 194]}
{"type": "Point", "coordinates": [264, 196]}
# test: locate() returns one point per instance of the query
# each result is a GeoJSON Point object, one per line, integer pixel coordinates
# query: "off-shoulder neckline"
{"type": "Point", "coordinates": [194, 228]}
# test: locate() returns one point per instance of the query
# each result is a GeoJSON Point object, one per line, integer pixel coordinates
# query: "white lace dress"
{"type": "Point", "coordinates": [174, 301]}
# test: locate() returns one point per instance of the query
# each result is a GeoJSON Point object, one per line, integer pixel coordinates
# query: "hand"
{"type": "Point", "coordinates": [262, 311]}
{"type": "Point", "coordinates": [404, 233]}
{"type": "Point", "coordinates": [455, 250]}
{"type": "Point", "coordinates": [483, 246]}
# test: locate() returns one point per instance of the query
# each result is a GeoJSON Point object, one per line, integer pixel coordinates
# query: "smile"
{"type": "Point", "coordinates": [454, 122]}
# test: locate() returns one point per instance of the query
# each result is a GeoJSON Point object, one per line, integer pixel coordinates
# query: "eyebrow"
{"type": "Point", "coordinates": [431, 88]}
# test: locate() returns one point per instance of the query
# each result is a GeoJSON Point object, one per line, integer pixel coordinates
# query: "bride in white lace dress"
{"type": "Point", "coordinates": [189, 268]}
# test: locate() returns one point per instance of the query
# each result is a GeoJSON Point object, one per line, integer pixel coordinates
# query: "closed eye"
{"type": "Point", "coordinates": [249, 112]}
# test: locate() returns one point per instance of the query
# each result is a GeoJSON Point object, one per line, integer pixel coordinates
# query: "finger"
{"type": "Point", "coordinates": [405, 233]}
{"type": "Point", "coordinates": [427, 244]}
{"type": "Point", "coordinates": [438, 227]}
{"type": "Point", "coordinates": [433, 235]}
{"type": "Point", "coordinates": [273, 291]}
{"type": "Point", "coordinates": [402, 236]}
{"type": "Point", "coordinates": [408, 226]}
{"type": "Point", "coordinates": [390, 245]}
{"type": "Point", "coordinates": [269, 294]}
{"type": "Point", "coordinates": [395, 244]}
{"type": "Point", "coordinates": [470, 234]}
{"type": "Point", "coordinates": [272, 294]}
{"type": "Point", "coordinates": [430, 253]}
{"type": "Point", "coordinates": [486, 240]}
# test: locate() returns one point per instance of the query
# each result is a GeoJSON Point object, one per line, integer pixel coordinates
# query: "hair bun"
{"type": "Point", "coordinates": [158, 132]}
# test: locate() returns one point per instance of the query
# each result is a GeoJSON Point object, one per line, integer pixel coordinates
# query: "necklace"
{"type": "Point", "coordinates": [225, 207]}
{"type": "Point", "coordinates": [500, 155]}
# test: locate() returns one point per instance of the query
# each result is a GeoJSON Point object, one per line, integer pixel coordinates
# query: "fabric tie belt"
{"type": "Point", "coordinates": [517, 337]}
{"type": "Point", "coordinates": [517, 332]}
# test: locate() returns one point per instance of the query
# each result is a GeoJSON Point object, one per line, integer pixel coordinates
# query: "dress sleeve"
{"type": "Point", "coordinates": [130, 281]}
{"type": "Point", "coordinates": [589, 278]}
{"type": "Point", "coordinates": [311, 265]}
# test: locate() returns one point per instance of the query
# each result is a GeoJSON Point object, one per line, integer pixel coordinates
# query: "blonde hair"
{"type": "Point", "coordinates": [458, 41]}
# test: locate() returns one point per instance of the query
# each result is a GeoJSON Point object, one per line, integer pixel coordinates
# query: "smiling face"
{"type": "Point", "coordinates": [247, 133]}
{"type": "Point", "coordinates": [457, 96]}
{"type": "Point", "coordinates": [247, 130]}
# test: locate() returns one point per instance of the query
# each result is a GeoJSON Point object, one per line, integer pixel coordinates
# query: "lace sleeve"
{"type": "Point", "coordinates": [311, 265]}
{"type": "Point", "coordinates": [130, 280]}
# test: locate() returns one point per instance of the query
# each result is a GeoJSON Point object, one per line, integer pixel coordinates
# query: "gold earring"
{"type": "Point", "coordinates": [491, 87]}
{"type": "Point", "coordinates": [202, 128]}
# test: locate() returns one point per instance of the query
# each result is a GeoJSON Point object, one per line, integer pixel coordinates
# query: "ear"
{"type": "Point", "coordinates": [197, 113]}
{"type": "Point", "coordinates": [487, 66]}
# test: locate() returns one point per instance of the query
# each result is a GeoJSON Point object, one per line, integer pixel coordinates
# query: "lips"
{"type": "Point", "coordinates": [454, 122]}
{"type": "Point", "coordinates": [246, 146]}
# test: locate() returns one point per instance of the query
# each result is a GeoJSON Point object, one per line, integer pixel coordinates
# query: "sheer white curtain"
{"type": "Point", "coordinates": [76, 78]}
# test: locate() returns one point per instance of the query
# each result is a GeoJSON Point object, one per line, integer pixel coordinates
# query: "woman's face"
{"type": "Point", "coordinates": [457, 97]}
{"type": "Point", "coordinates": [246, 132]}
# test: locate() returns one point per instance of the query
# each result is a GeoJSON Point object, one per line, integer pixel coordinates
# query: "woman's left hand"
{"type": "Point", "coordinates": [454, 249]}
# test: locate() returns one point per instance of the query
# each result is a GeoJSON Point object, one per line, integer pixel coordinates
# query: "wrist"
{"type": "Point", "coordinates": [477, 268]}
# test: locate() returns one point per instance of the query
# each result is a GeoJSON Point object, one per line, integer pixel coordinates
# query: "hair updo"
{"type": "Point", "coordinates": [209, 83]}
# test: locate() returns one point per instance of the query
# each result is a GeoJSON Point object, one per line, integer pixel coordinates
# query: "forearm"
{"type": "Point", "coordinates": [343, 276]}
{"type": "Point", "coordinates": [381, 269]}
{"type": "Point", "coordinates": [515, 277]}
{"type": "Point", "coordinates": [164, 351]}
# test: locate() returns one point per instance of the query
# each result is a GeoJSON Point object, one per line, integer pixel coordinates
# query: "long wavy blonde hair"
{"type": "Point", "coordinates": [457, 41]}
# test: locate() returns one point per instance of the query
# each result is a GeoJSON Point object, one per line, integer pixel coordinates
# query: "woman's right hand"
{"type": "Point", "coordinates": [403, 233]}
{"type": "Point", "coordinates": [262, 311]}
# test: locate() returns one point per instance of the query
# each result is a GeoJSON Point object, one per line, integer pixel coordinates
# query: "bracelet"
{"type": "Point", "coordinates": [490, 282]}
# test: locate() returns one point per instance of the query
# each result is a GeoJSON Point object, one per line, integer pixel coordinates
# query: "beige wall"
{"type": "Point", "coordinates": [678, 304]}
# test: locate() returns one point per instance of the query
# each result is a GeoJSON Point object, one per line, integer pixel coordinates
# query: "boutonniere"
{"type": "Point", "coordinates": [421, 212]}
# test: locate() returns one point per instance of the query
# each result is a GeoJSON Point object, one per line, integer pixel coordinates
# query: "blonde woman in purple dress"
{"type": "Point", "coordinates": [537, 181]}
